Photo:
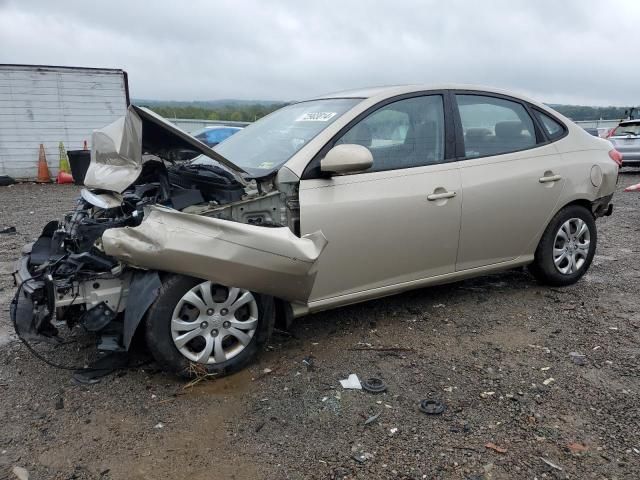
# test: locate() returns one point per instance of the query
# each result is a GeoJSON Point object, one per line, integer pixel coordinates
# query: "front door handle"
{"type": "Point", "coordinates": [439, 196]}
{"type": "Point", "coordinates": [550, 178]}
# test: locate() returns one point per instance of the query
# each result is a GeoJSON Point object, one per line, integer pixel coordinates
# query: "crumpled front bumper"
{"type": "Point", "coordinates": [267, 260]}
{"type": "Point", "coordinates": [32, 307]}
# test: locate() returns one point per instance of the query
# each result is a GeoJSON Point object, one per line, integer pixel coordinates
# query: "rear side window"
{"type": "Point", "coordinates": [492, 126]}
{"type": "Point", "coordinates": [552, 128]}
{"type": "Point", "coordinates": [403, 134]}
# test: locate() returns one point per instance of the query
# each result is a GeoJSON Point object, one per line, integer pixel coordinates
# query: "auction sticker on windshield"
{"type": "Point", "coordinates": [316, 117]}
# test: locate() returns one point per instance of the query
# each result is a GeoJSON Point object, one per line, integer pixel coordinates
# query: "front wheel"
{"type": "Point", "coordinates": [197, 326]}
{"type": "Point", "coordinates": [566, 248]}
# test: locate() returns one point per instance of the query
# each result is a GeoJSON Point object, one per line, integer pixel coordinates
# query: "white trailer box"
{"type": "Point", "coordinates": [48, 105]}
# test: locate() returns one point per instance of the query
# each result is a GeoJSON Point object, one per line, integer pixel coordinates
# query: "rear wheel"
{"type": "Point", "coordinates": [566, 248]}
{"type": "Point", "coordinates": [197, 327]}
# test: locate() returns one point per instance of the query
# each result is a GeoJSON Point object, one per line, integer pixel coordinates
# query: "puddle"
{"type": "Point", "coordinates": [226, 386]}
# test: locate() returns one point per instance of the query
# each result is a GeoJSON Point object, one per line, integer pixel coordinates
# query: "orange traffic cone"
{"type": "Point", "coordinates": [43, 168]}
{"type": "Point", "coordinates": [64, 177]}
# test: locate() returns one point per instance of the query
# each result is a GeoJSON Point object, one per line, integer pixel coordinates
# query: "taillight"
{"type": "Point", "coordinates": [616, 156]}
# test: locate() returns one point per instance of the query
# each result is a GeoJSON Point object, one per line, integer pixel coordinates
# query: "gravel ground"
{"type": "Point", "coordinates": [494, 349]}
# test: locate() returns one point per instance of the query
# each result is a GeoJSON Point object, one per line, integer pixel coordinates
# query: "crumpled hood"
{"type": "Point", "coordinates": [116, 150]}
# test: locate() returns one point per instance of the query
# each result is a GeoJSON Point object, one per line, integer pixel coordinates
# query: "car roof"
{"type": "Point", "coordinates": [389, 90]}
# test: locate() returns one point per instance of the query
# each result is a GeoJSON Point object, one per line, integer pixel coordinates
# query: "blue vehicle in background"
{"type": "Point", "coordinates": [214, 134]}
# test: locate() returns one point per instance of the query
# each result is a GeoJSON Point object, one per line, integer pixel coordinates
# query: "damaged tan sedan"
{"type": "Point", "coordinates": [323, 203]}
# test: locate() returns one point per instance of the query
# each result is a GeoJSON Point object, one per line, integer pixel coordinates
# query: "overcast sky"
{"type": "Point", "coordinates": [558, 51]}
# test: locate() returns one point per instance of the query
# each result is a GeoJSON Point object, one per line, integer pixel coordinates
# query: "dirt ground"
{"type": "Point", "coordinates": [495, 350]}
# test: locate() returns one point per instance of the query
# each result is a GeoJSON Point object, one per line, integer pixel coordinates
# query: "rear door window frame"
{"type": "Point", "coordinates": [541, 137]}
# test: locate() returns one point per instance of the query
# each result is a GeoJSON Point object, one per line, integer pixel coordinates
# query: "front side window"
{"type": "Point", "coordinates": [403, 134]}
{"type": "Point", "coordinates": [266, 144]}
{"type": "Point", "coordinates": [492, 126]}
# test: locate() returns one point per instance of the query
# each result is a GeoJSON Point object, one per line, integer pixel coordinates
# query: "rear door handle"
{"type": "Point", "coordinates": [439, 196]}
{"type": "Point", "coordinates": [550, 178]}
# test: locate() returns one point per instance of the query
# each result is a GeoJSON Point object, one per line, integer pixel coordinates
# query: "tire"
{"type": "Point", "coordinates": [553, 243]}
{"type": "Point", "coordinates": [172, 316]}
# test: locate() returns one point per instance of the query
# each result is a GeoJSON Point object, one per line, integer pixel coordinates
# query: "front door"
{"type": "Point", "coordinates": [399, 220]}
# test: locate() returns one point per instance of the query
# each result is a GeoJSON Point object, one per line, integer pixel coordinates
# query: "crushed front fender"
{"type": "Point", "coordinates": [267, 260]}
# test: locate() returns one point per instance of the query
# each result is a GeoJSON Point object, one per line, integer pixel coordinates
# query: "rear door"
{"type": "Point", "coordinates": [397, 221]}
{"type": "Point", "coordinates": [512, 178]}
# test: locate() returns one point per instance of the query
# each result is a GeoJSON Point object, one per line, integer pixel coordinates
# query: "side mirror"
{"type": "Point", "coordinates": [346, 158]}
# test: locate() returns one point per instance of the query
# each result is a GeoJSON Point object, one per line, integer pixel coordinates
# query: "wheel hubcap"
{"type": "Point", "coordinates": [212, 324]}
{"type": "Point", "coordinates": [571, 246]}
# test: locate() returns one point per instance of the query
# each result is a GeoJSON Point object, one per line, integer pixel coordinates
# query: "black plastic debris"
{"type": "Point", "coordinates": [432, 407]}
{"type": "Point", "coordinates": [6, 180]}
{"type": "Point", "coordinates": [309, 362]}
{"type": "Point", "coordinates": [374, 385]}
{"type": "Point", "coordinates": [8, 230]}
{"type": "Point", "coordinates": [101, 367]}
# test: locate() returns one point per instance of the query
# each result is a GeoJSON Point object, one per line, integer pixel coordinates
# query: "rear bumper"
{"type": "Point", "coordinates": [602, 207]}
{"type": "Point", "coordinates": [630, 158]}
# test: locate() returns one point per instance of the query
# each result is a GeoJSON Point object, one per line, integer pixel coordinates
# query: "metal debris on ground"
{"type": "Point", "coordinates": [576, 447]}
{"type": "Point", "coordinates": [372, 418]}
{"type": "Point", "coordinates": [551, 464]}
{"type": "Point", "coordinates": [578, 358]}
{"type": "Point", "coordinates": [495, 448]}
{"type": "Point", "coordinates": [374, 385]}
{"type": "Point", "coordinates": [432, 407]}
{"type": "Point", "coordinates": [362, 457]}
{"type": "Point", "coordinates": [308, 362]}
{"type": "Point", "coordinates": [352, 382]}
{"type": "Point", "coordinates": [8, 230]}
{"type": "Point", "coordinates": [20, 473]}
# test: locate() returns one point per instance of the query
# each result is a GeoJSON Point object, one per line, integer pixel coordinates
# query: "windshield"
{"type": "Point", "coordinates": [626, 129]}
{"type": "Point", "coordinates": [272, 140]}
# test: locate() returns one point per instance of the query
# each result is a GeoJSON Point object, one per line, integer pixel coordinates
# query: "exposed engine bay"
{"type": "Point", "coordinates": [144, 214]}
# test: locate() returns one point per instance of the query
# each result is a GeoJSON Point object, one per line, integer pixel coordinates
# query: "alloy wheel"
{"type": "Point", "coordinates": [212, 323]}
{"type": "Point", "coordinates": [571, 246]}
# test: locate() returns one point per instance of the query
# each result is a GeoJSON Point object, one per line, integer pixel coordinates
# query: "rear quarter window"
{"type": "Point", "coordinates": [552, 128]}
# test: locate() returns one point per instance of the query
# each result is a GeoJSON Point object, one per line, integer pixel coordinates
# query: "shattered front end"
{"type": "Point", "coordinates": [65, 276]}
{"type": "Point", "coordinates": [144, 214]}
